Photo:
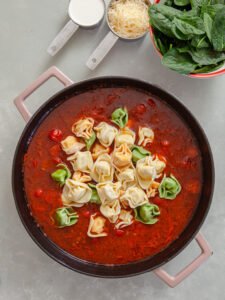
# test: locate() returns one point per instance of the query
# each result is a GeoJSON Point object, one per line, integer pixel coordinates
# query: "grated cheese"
{"type": "Point", "coordinates": [128, 18]}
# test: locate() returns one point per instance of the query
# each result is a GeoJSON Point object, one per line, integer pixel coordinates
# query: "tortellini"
{"type": "Point", "coordinates": [120, 117]}
{"type": "Point", "coordinates": [96, 227]}
{"type": "Point", "coordinates": [83, 128]}
{"type": "Point", "coordinates": [75, 193]}
{"type": "Point", "coordinates": [158, 164]}
{"type": "Point", "coordinates": [103, 169]}
{"type": "Point", "coordinates": [108, 191]}
{"type": "Point", "coordinates": [111, 210]}
{"type": "Point", "coordinates": [82, 161]}
{"type": "Point", "coordinates": [122, 157]}
{"type": "Point", "coordinates": [71, 145]}
{"type": "Point", "coordinates": [134, 197]}
{"type": "Point", "coordinates": [127, 178]}
{"type": "Point", "coordinates": [169, 188]}
{"type": "Point", "coordinates": [125, 136]}
{"type": "Point", "coordinates": [106, 133]}
{"type": "Point", "coordinates": [125, 219]}
{"type": "Point", "coordinates": [98, 149]}
{"type": "Point", "coordinates": [146, 173]}
{"type": "Point", "coordinates": [152, 189]}
{"type": "Point", "coordinates": [81, 177]}
{"type": "Point", "coordinates": [147, 213]}
{"type": "Point", "coordinates": [146, 135]}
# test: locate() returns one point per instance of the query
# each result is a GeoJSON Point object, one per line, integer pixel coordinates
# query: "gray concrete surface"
{"type": "Point", "coordinates": [26, 273]}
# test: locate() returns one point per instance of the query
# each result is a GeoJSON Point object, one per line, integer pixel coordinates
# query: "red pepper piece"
{"type": "Point", "coordinates": [120, 232]}
{"type": "Point", "coordinates": [38, 193]}
{"type": "Point", "coordinates": [55, 135]}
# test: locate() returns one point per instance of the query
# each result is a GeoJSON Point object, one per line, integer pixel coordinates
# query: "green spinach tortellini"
{"type": "Point", "coordinates": [89, 142]}
{"type": "Point", "coordinates": [62, 174]}
{"type": "Point", "coordinates": [147, 213]}
{"type": "Point", "coordinates": [169, 188]}
{"type": "Point", "coordinates": [120, 117]}
{"type": "Point", "coordinates": [94, 196]}
{"type": "Point", "coordinates": [65, 216]}
{"type": "Point", "coordinates": [139, 153]}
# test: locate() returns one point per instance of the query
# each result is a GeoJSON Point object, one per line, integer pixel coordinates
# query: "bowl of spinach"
{"type": "Point", "coordinates": [189, 35]}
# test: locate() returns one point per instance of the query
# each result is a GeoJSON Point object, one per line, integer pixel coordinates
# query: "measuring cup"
{"type": "Point", "coordinates": [83, 13]}
{"type": "Point", "coordinates": [108, 42]}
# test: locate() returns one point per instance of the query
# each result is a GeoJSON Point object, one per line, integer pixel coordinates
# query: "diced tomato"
{"type": "Point", "coordinates": [57, 160]}
{"type": "Point", "coordinates": [55, 135]}
{"type": "Point", "coordinates": [87, 214]}
{"type": "Point", "coordinates": [151, 103]}
{"type": "Point", "coordinates": [120, 232]}
{"type": "Point", "coordinates": [165, 143]}
{"type": "Point", "coordinates": [140, 109]}
{"type": "Point", "coordinates": [38, 193]}
{"type": "Point", "coordinates": [55, 150]}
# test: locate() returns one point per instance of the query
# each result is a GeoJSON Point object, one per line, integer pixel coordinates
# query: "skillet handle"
{"type": "Point", "coordinates": [51, 72]}
{"type": "Point", "coordinates": [173, 281]}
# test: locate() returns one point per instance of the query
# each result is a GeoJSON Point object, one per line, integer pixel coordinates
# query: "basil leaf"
{"type": "Point", "coordinates": [120, 117]}
{"type": "Point", "coordinates": [61, 175]}
{"type": "Point", "coordinates": [208, 22]}
{"type": "Point", "coordinates": [90, 141]}
{"type": "Point", "coordinates": [169, 188]}
{"type": "Point", "coordinates": [218, 31]}
{"type": "Point", "coordinates": [94, 196]}
{"type": "Point", "coordinates": [65, 216]}
{"type": "Point", "coordinates": [180, 62]}
{"type": "Point", "coordinates": [147, 213]}
{"type": "Point", "coordinates": [139, 153]}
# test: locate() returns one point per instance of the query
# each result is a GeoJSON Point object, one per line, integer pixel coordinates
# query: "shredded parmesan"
{"type": "Point", "coordinates": [129, 18]}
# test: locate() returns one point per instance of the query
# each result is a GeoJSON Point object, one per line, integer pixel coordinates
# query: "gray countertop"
{"type": "Point", "coordinates": [27, 27]}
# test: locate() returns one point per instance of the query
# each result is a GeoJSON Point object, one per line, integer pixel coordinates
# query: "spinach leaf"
{"type": "Point", "coordinates": [189, 25]}
{"type": "Point", "coordinates": [180, 62]}
{"type": "Point", "coordinates": [200, 41]}
{"type": "Point", "coordinates": [206, 56]}
{"type": "Point", "coordinates": [208, 69]}
{"type": "Point", "coordinates": [161, 22]}
{"type": "Point", "coordinates": [218, 31]}
{"type": "Point", "coordinates": [208, 22]}
{"type": "Point", "coordinates": [182, 2]}
{"type": "Point", "coordinates": [211, 10]}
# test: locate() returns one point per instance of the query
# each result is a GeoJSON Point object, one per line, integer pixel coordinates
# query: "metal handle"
{"type": "Point", "coordinates": [102, 50]}
{"type": "Point", "coordinates": [62, 38]}
{"type": "Point", "coordinates": [173, 281]}
{"type": "Point", "coordinates": [51, 72]}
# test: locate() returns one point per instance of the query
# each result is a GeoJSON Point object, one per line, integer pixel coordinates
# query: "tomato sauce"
{"type": "Point", "coordinates": [173, 140]}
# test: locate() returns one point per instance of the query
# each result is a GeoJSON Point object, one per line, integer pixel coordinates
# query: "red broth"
{"type": "Point", "coordinates": [173, 140]}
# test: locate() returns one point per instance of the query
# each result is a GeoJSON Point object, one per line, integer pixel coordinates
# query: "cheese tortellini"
{"type": "Point", "coordinates": [106, 133]}
{"type": "Point", "coordinates": [83, 128]}
{"type": "Point", "coordinates": [125, 136]}
{"type": "Point", "coordinates": [71, 145]}
{"type": "Point", "coordinates": [111, 210]}
{"type": "Point", "coordinates": [81, 177]}
{"type": "Point", "coordinates": [134, 197]}
{"type": "Point", "coordinates": [75, 193]}
{"type": "Point", "coordinates": [108, 191]}
{"type": "Point", "coordinates": [98, 149]}
{"type": "Point", "coordinates": [122, 157]}
{"type": "Point", "coordinates": [82, 161]}
{"type": "Point", "coordinates": [103, 169]}
{"type": "Point", "coordinates": [127, 178]}
{"type": "Point", "coordinates": [125, 219]}
{"type": "Point", "coordinates": [96, 227]}
{"type": "Point", "coordinates": [146, 135]}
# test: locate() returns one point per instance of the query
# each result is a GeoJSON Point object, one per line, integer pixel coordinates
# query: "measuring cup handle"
{"type": "Point", "coordinates": [101, 51]}
{"type": "Point", "coordinates": [62, 38]}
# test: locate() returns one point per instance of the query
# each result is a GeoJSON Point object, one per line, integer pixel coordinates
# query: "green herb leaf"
{"type": "Point", "coordinates": [180, 62]}
{"type": "Point", "coordinates": [200, 41]}
{"type": "Point", "coordinates": [90, 141]}
{"type": "Point", "coordinates": [147, 213]}
{"type": "Point", "coordinates": [139, 153]}
{"type": "Point", "coordinates": [181, 2]}
{"type": "Point", "coordinates": [208, 69]}
{"type": "Point", "coordinates": [61, 175]}
{"type": "Point", "coordinates": [169, 188]}
{"type": "Point", "coordinates": [65, 216]}
{"type": "Point", "coordinates": [189, 25]}
{"type": "Point", "coordinates": [218, 31]}
{"type": "Point", "coordinates": [206, 56]}
{"type": "Point", "coordinates": [208, 22]}
{"type": "Point", "coordinates": [94, 196]}
{"type": "Point", "coordinates": [120, 117]}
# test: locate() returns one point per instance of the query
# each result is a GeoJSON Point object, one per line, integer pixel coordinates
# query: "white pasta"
{"type": "Point", "coordinates": [152, 189]}
{"type": "Point", "coordinates": [122, 157]}
{"type": "Point", "coordinates": [125, 136]}
{"type": "Point", "coordinates": [127, 178]}
{"type": "Point", "coordinates": [71, 145]}
{"type": "Point", "coordinates": [125, 219]}
{"type": "Point", "coordinates": [111, 210]}
{"type": "Point", "coordinates": [81, 177]}
{"type": "Point", "coordinates": [103, 169]}
{"type": "Point", "coordinates": [81, 161]}
{"type": "Point", "coordinates": [83, 128]}
{"type": "Point", "coordinates": [108, 191]}
{"type": "Point", "coordinates": [106, 133]}
{"type": "Point", "coordinates": [146, 135]}
{"type": "Point", "coordinates": [134, 197]}
{"type": "Point", "coordinates": [98, 149]}
{"type": "Point", "coordinates": [75, 193]}
{"type": "Point", "coordinates": [145, 171]}
{"type": "Point", "coordinates": [96, 227]}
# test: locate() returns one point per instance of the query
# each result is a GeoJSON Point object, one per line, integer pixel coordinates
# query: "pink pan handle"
{"type": "Point", "coordinates": [51, 72]}
{"type": "Point", "coordinates": [173, 281]}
